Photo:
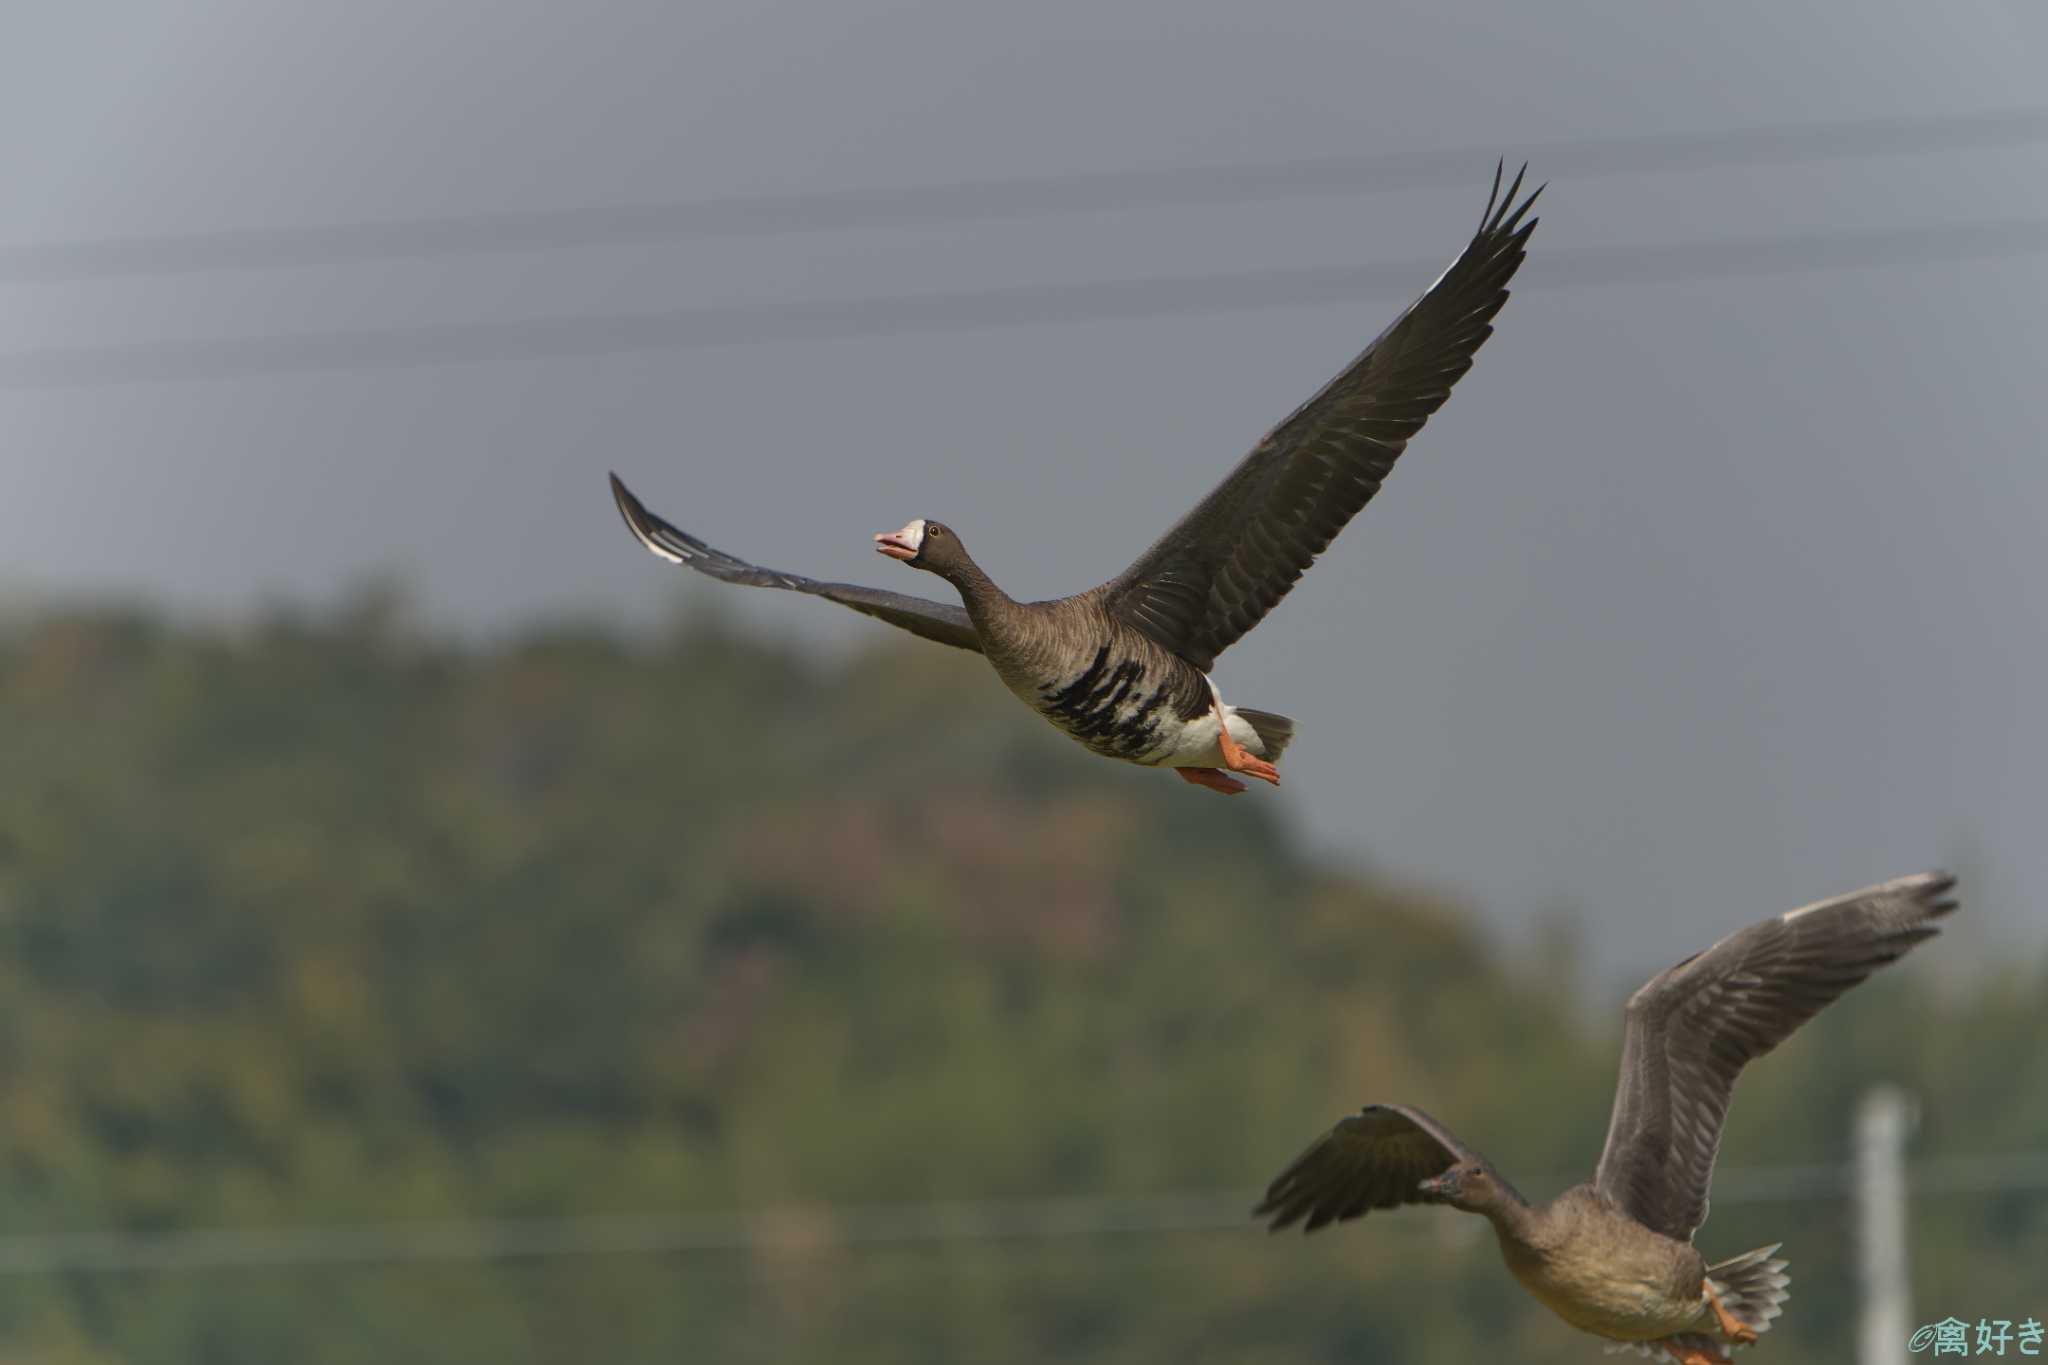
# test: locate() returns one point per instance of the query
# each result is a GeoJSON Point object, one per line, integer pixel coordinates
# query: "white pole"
{"type": "Point", "coordinates": [1883, 1120]}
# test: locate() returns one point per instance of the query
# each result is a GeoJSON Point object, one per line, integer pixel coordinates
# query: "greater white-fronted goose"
{"type": "Point", "coordinates": [1123, 667]}
{"type": "Point", "coordinates": [1615, 1256]}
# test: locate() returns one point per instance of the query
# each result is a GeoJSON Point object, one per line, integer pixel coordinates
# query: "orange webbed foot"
{"type": "Point", "coordinates": [1734, 1328]}
{"type": "Point", "coordinates": [1214, 780]}
{"type": "Point", "coordinates": [1239, 759]}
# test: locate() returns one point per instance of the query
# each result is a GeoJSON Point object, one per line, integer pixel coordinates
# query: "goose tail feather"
{"type": "Point", "coordinates": [1275, 732]}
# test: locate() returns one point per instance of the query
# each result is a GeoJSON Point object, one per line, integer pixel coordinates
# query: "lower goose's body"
{"type": "Point", "coordinates": [1734, 1304]}
{"type": "Point", "coordinates": [1643, 1291]}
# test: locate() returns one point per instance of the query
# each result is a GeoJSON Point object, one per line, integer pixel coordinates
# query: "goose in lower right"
{"type": "Point", "coordinates": [1615, 1256]}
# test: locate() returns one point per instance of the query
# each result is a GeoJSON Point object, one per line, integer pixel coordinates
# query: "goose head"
{"type": "Point", "coordinates": [923, 544]}
{"type": "Point", "coordinates": [1471, 1186]}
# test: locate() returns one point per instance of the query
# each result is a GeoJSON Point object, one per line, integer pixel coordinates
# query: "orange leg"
{"type": "Point", "coordinates": [1734, 1328]}
{"type": "Point", "coordinates": [1214, 780]}
{"type": "Point", "coordinates": [1693, 1355]}
{"type": "Point", "coordinates": [1239, 759]}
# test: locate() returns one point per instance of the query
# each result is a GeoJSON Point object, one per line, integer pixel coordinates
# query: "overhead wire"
{"type": "Point", "coordinates": [993, 199]}
{"type": "Point", "coordinates": [402, 1242]}
{"type": "Point", "coordinates": [944, 311]}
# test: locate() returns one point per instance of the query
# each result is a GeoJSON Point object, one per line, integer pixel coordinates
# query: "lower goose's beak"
{"type": "Point", "coordinates": [1436, 1187]}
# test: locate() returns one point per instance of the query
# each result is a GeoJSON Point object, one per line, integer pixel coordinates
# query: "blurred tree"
{"type": "Point", "coordinates": [321, 921]}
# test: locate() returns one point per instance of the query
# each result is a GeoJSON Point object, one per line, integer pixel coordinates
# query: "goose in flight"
{"type": "Point", "coordinates": [1615, 1256]}
{"type": "Point", "coordinates": [1123, 667]}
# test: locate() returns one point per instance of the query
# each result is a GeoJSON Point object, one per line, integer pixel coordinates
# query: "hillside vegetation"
{"type": "Point", "coordinates": [314, 923]}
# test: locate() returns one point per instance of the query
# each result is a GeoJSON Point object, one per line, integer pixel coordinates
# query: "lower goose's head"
{"type": "Point", "coordinates": [923, 544]}
{"type": "Point", "coordinates": [1469, 1185]}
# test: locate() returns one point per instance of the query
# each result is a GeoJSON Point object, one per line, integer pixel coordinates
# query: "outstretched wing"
{"type": "Point", "coordinates": [1692, 1028]}
{"type": "Point", "coordinates": [1372, 1160]}
{"type": "Point", "coordinates": [932, 620]}
{"type": "Point", "coordinates": [1227, 563]}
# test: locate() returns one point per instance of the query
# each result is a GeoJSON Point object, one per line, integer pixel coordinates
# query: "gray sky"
{"type": "Point", "coordinates": [1700, 599]}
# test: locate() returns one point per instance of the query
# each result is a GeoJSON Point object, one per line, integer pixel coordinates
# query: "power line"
{"type": "Point", "coordinates": [903, 1225]}
{"type": "Point", "coordinates": [986, 200]}
{"type": "Point", "coordinates": [591, 335]}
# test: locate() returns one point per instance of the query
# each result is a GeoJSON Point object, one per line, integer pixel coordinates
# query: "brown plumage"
{"type": "Point", "coordinates": [1615, 1256]}
{"type": "Point", "coordinates": [1123, 667]}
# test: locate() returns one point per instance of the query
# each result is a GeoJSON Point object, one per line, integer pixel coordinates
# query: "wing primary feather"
{"type": "Point", "coordinates": [1693, 1027]}
{"type": "Point", "coordinates": [1375, 1159]}
{"type": "Point", "coordinates": [947, 625]}
{"type": "Point", "coordinates": [1230, 560]}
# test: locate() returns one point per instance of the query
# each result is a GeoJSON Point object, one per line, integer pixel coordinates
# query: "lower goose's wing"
{"type": "Point", "coordinates": [1229, 561]}
{"type": "Point", "coordinates": [932, 620]}
{"type": "Point", "coordinates": [1376, 1159]}
{"type": "Point", "coordinates": [1691, 1030]}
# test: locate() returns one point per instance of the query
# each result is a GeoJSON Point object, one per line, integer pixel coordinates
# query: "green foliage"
{"type": "Point", "coordinates": [318, 924]}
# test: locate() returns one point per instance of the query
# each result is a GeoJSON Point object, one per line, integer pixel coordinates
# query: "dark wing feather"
{"type": "Point", "coordinates": [932, 620]}
{"type": "Point", "coordinates": [1692, 1028]}
{"type": "Point", "coordinates": [1230, 561]}
{"type": "Point", "coordinates": [1373, 1160]}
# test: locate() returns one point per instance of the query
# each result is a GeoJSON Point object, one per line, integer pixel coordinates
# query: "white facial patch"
{"type": "Point", "coordinates": [913, 535]}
